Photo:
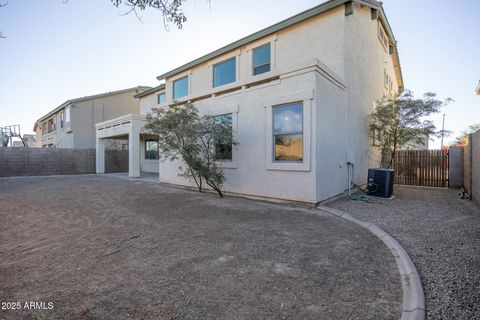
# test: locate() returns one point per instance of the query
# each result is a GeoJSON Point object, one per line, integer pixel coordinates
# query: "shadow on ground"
{"type": "Point", "coordinates": [105, 248]}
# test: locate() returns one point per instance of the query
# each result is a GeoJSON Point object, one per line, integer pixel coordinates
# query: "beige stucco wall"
{"type": "Point", "coordinates": [149, 102]}
{"type": "Point", "coordinates": [365, 61]}
{"type": "Point", "coordinates": [321, 36]}
{"type": "Point", "coordinates": [335, 65]}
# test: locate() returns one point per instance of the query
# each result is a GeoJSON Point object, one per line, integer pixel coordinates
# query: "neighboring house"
{"type": "Point", "coordinates": [298, 95]}
{"type": "Point", "coordinates": [72, 124]}
{"type": "Point", "coordinates": [29, 139]}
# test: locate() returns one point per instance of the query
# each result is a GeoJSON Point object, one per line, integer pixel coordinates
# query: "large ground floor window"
{"type": "Point", "coordinates": [151, 150]}
{"type": "Point", "coordinates": [288, 132]}
{"type": "Point", "coordinates": [224, 152]}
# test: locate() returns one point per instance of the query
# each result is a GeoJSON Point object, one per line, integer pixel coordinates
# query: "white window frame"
{"type": "Point", "coordinates": [307, 99]}
{"type": "Point", "coordinates": [68, 114]}
{"type": "Point", "coordinates": [169, 86]}
{"type": "Point", "coordinates": [272, 40]}
{"type": "Point", "coordinates": [252, 71]}
{"type": "Point", "coordinates": [233, 109]}
{"type": "Point", "coordinates": [229, 83]}
{"type": "Point", "coordinates": [158, 98]}
{"type": "Point", "coordinates": [61, 118]}
{"type": "Point", "coordinates": [234, 54]}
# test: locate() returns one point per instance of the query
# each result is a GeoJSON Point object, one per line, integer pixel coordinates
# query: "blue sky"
{"type": "Point", "coordinates": [56, 51]}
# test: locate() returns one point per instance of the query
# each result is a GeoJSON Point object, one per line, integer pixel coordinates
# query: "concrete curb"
{"type": "Point", "coordinates": [413, 297]}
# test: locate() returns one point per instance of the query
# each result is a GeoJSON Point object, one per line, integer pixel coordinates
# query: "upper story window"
{"type": "Point", "coordinates": [161, 98]}
{"type": "Point", "coordinates": [180, 88]}
{"type": "Point", "coordinates": [151, 150]}
{"type": "Point", "coordinates": [67, 114]}
{"type": "Point", "coordinates": [223, 152]}
{"type": "Point", "coordinates": [382, 36]}
{"type": "Point", "coordinates": [288, 132]}
{"type": "Point", "coordinates": [62, 119]}
{"type": "Point", "coordinates": [44, 127]}
{"type": "Point", "coordinates": [261, 59]}
{"type": "Point", "coordinates": [50, 125]}
{"type": "Point", "coordinates": [225, 72]}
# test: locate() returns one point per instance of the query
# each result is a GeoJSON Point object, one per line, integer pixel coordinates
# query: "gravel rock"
{"type": "Point", "coordinates": [441, 233]}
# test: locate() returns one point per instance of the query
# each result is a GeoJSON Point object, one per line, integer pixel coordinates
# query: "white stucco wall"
{"type": "Point", "coordinates": [365, 61]}
{"type": "Point", "coordinates": [251, 175]}
{"type": "Point", "coordinates": [335, 65]}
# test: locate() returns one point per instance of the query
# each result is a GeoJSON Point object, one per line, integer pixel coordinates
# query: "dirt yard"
{"type": "Point", "coordinates": [90, 247]}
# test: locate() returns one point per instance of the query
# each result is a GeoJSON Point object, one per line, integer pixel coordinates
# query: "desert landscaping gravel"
{"type": "Point", "coordinates": [105, 248]}
{"type": "Point", "coordinates": [441, 233]}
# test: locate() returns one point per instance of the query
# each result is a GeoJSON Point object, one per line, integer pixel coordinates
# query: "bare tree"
{"type": "Point", "coordinates": [171, 9]}
{"type": "Point", "coordinates": [1, 34]}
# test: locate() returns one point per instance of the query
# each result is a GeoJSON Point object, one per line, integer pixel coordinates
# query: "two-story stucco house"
{"type": "Point", "coordinates": [297, 94]}
{"type": "Point", "coordinates": [72, 124]}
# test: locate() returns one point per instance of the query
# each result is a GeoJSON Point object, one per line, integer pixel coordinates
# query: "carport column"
{"type": "Point", "coordinates": [134, 150]}
{"type": "Point", "coordinates": [100, 156]}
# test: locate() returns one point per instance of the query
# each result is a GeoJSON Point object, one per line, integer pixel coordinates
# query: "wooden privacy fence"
{"type": "Point", "coordinates": [427, 168]}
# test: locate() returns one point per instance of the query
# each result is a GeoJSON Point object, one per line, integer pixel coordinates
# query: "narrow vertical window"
{"type": "Point", "coordinates": [67, 114]}
{"type": "Point", "coordinates": [51, 125]}
{"type": "Point", "coordinates": [62, 119]}
{"type": "Point", "coordinates": [288, 132]}
{"type": "Point", "coordinates": [261, 59]}
{"type": "Point", "coordinates": [225, 72]}
{"type": "Point", "coordinates": [223, 152]}
{"type": "Point", "coordinates": [161, 98]}
{"type": "Point", "coordinates": [180, 88]}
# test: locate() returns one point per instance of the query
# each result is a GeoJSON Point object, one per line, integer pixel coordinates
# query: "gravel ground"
{"type": "Point", "coordinates": [106, 248]}
{"type": "Point", "coordinates": [441, 233]}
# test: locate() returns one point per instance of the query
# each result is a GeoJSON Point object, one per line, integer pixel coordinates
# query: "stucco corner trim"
{"type": "Point", "coordinates": [330, 75]}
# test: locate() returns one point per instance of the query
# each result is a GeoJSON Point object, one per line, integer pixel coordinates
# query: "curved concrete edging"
{"type": "Point", "coordinates": [413, 297]}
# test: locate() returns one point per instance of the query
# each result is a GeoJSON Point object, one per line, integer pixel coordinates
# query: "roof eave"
{"type": "Point", "coordinates": [91, 97]}
{"type": "Point", "coordinates": [324, 7]}
{"type": "Point", "coordinates": [150, 91]}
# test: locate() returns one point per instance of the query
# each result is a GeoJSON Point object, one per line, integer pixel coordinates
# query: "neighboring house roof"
{"type": "Point", "coordinates": [324, 7]}
{"type": "Point", "coordinates": [150, 91]}
{"type": "Point", "coordinates": [86, 98]}
{"type": "Point", "coordinates": [477, 90]}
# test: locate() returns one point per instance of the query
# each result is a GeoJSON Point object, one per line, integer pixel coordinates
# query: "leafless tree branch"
{"type": "Point", "coordinates": [3, 5]}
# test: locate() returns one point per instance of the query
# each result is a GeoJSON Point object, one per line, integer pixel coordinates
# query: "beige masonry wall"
{"type": "Point", "coordinates": [45, 162]}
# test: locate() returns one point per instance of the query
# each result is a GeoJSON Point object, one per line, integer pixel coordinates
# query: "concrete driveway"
{"type": "Point", "coordinates": [92, 247]}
